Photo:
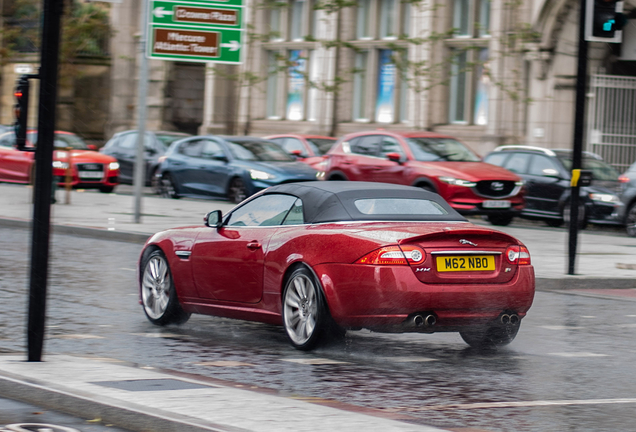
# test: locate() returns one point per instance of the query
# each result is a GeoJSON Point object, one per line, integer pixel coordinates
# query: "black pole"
{"type": "Point", "coordinates": [577, 150]}
{"type": "Point", "coordinates": [51, 15]}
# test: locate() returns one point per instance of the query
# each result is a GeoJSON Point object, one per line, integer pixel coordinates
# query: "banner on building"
{"type": "Point", "coordinates": [385, 102]}
{"type": "Point", "coordinates": [296, 87]}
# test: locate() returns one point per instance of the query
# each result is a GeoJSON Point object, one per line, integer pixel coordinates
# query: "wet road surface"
{"type": "Point", "coordinates": [570, 367]}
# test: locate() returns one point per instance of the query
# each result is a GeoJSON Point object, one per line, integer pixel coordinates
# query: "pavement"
{"type": "Point", "coordinates": [138, 398]}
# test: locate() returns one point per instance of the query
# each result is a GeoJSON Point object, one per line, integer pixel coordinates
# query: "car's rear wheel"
{"type": "Point", "coordinates": [630, 220]}
{"type": "Point", "coordinates": [490, 337]}
{"type": "Point", "coordinates": [305, 315]}
{"type": "Point", "coordinates": [237, 191]}
{"type": "Point", "coordinates": [500, 219]}
{"type": "Point", "coordinates": [168, 188]}
{"type": "Point", "coordinates": [158, 294]}
{"type": "Point", "coordinates": [155, 183]}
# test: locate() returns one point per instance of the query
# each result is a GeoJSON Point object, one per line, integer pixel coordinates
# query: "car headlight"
{"type": "Point", "coordinates": [320, 175]}
{"type": "Point", "coordinates": [60, 165]}
{"type": "Point", "coordinates": [458, 182]}
{"type": "Point", "coordinates": [520, 183]}
{"type": "Point", "coordinates": [113, 166]}
{"type": "Point", "coordinates": [606, 198]}
{"type": "Point", "coordinates": [261, 175]}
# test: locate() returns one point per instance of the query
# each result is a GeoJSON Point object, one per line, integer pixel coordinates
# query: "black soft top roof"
{"type": "Point", "coordinates": [334, 201]}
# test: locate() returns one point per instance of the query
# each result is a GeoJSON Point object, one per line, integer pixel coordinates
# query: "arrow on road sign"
{"type": "Point", "coordinates": [232, 45]}
{"type": "Point", "coordinates": [160, 12]}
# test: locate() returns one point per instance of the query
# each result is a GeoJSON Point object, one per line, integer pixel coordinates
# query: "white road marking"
{"type": "Point", "coordinates": [520, 404]}
{"type": "Point", "coordinates": [588, 316]}
{"type": "Point", "coordinates": [224, 363]}
{"type": "Point", "coordinates": [560, 327]}
{"type": "Point", "coordinates": [127, 269]}
{"type": "Point", "coordinates": [77, 336]}
{"type": "Point", "coordinates": [578, 354]}
{"type": "Point", "coordinates": [161, 335]}
{"type": "Point", "coordinates": [407, 359]}
{"type": "Point", "coordinates": [315, 361]}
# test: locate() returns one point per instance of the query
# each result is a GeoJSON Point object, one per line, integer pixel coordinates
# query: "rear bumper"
{"type": "Point", "coordinates": [381, 296]}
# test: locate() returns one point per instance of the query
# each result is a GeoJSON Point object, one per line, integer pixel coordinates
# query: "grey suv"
{"type": "Point", "coordinates": [547, 176]}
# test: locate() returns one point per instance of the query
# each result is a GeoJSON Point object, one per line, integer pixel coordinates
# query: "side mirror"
{"type": "Point", "coordinates": [394, 157]}
{"type": "Point", "coordinates": [92, 147]}
{"type": "Point", "coordinates": [214, 219]}
{"type": "Point", "coordinates": [220, 158]}
{"type": "Point", "coordinates": [150, 150]}
{"type": "Point", "coordinates": [298, 154]}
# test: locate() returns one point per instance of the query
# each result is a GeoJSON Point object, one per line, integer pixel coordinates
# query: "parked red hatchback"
{"type": "Point", "coordinates": [89, 169]}
{"type": "Point", "coordinates": [435, 162]}
{"type": "Point", "coordinates": [309, 149]}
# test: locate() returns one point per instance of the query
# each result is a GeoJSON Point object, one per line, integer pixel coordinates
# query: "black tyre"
{"type": "Point", "coordinates": [500, 219]}
{"type": "Point", "coordinates": [237, 191]}
{"type": "Point", "coordinates": [106, 189]}
{"type": "Point", "coordinates": [630, 220]}
{"type": "Point", "coordinates": [490, 337]}
{"type": "Point", "coordinates": [158, 294]}
{"type": "Point", "coordinates": [582, 216]}
{"type": "Point", "coordinates": [155, 183]}
{"type": "Point", "coordinates": [427, 187]}
{"type": "Point", "coordinates": [168, 187]}
{"type": "Point", "coordinates": [305, 315]}
{"type": "Point", "coordinates": [554, 223]}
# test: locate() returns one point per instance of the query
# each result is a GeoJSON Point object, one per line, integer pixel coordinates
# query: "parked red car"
{"type": "Point", "coordinates": [307, 148]}
{"type": "Point", "coordinates": [90, 169]}
{"type": "Point", "coordinates": [434, 162]}
{"type": "Point", "coordinates": [322, 257]}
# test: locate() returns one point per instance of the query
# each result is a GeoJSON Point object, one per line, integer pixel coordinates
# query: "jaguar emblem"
{"type": "Point", "coordinates": [464, 242]}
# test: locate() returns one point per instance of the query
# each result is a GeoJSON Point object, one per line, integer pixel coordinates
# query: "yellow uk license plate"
{"type": "Point", "coordinates": [465, 263]}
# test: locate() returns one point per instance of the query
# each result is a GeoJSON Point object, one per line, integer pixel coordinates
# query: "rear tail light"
{"type": "Point", "coordinates": [394, 255]}
{"type": "Point", "coordinates": [623, 179]}
{"type": "Point", "coordinates": [518, 255]}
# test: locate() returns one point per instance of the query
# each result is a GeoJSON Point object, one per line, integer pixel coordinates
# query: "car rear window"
{"type": "Point", "coordinates": [398, 206]}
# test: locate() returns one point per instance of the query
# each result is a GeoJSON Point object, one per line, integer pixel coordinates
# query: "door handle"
{"type": "Point", "coordinates": [253, 245]}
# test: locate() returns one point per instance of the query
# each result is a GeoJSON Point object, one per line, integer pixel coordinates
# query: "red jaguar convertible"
{"type": "Point", "coordinates": [320, 258]}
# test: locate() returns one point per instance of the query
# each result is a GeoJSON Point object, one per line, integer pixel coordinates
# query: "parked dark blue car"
{"type": "Point", "coordinates": [227, 166]}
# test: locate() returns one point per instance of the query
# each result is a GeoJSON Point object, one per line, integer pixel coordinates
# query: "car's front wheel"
{"type": "Point", "coordinates": [490, 336]}
{"type": "Point", "coordinates": [106, 189]}
{"type": "Point", "coordinates": [158, 294]}
{"type": "Point", "coordinates": [168, 188]}
{"type": "Point", "coordinates": [630, 220]}
{"type": "Point", "coordinates": [305, 315]}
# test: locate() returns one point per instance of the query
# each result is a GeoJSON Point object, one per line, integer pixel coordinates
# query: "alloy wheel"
{"type": "Point", "coordinates": [301, 309]}
{"type": "Point", "coordinates": [156, 287]}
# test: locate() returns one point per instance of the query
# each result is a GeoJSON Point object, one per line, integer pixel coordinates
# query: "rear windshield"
{"type": "Point", "coordinates": [263, 151]}
{"type": "Point", "coordinates": [441, 149]}
{"type": "Point", "coordinates": [321, 146]}
{"type": "Point", "coordinates": [600, 170]}
{"type": "Point", "coordinates": [398, 206]}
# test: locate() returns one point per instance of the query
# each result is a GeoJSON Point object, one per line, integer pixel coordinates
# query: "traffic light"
{"type": "Point", "coordinates": [21, 108]}
{"type": "Point", "coordinates": [604, 20]}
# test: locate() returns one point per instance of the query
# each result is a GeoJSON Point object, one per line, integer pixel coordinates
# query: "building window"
{"type": "Point", "coordinates": [360, 86]}
{"type": "Point", "coordinates": [484, 18]}
{"type": "Point", "coordinates": [275, 28]}
{"type": "Point", "coordinates": [482, 88]}
{"type": "Point", "coordinates": [363, 27]}
{"type": "Point", "coordinates": [458, 87]}
{"type": "Point", "coordinates": [297, 18]}
{"type": "Point", "coordinates": [271, 110]}
{"type": "Point", "coordinates": [469, 87]}
{"type": "Point", "coordinates": [405, 18]}
{"type": "Point", "coordinates": [296, 85]}
{"type": "Point", "coordinates": [462, 18]}
{"type": "Point", "coordinates": [385, 101]}
{"type": "Point", "coordinates": [388, 9]}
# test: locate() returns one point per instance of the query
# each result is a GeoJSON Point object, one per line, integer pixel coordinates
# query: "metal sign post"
{"type": "Point", "coordinates": [52, 12]}
{"type": "Point", "coordinates": [577, 149]}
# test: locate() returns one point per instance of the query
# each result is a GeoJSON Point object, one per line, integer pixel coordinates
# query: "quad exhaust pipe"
{"type": "Point", "coordinates": [512, 319]}
{"type": "Point", "coordinates": [427, 320]}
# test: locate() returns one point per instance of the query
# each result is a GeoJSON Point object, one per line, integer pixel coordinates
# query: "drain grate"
{"type": "Point", "coordinates": [151, 385]}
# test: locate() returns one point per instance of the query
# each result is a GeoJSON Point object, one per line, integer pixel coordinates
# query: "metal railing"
{"type": "Point", "coordinates": [611, 119]}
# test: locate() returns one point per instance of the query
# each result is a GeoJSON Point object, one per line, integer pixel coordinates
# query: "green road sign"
{"type": "Point", "coordinates": [200, 31]}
